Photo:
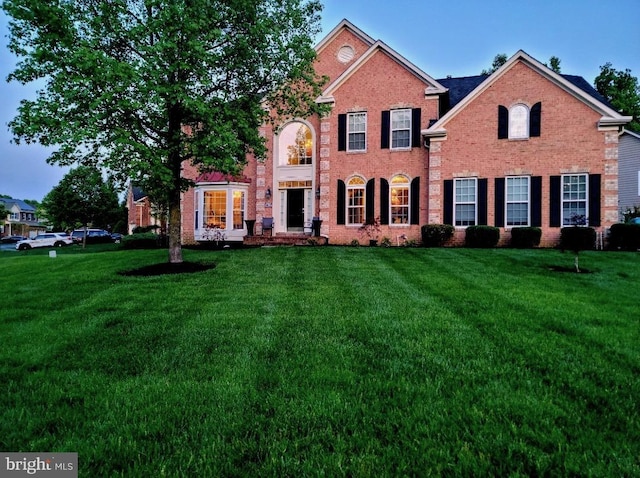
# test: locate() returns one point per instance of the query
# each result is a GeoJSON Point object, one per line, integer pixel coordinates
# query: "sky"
{"type": "Point", "coordinates": [456, 38]}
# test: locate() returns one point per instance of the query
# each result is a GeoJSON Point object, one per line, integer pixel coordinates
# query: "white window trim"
{"type": "Point", "coordinates": [474, 202]}
{"type": "Point", "coordinates": [527, 132]}
{"type": "Point", "coordinates": [507, 202]}
{"type": "Point", "coordinates": [364, 199]}
{"type": "Point", "coordinates": [585, 200]}
{"type": "Point", "coordinates": [199, 209]}
{"type": "Point", "coordinates": [349, 132]}
{"type": "Point", "coordinates": [391, 130]}
{"type": "Point", "coordinates": [406, 186]}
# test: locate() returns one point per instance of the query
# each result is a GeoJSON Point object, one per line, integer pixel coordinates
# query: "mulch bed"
{"type": "Point", "coordinates": [165, 268]}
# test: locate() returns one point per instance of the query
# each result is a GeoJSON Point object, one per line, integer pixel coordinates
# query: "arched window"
{"type": "Point", "coordinates": [400, 188]}
{"type": "Point", "coordinates": [356, 200]}
{"type": "Point", "coordinates": [518, 122]}
{"type": "Point", "coordinates": [295, 145]}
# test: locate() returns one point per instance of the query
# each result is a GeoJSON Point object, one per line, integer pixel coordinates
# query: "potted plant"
{"type": "Point", "coordinates": [371, 229]}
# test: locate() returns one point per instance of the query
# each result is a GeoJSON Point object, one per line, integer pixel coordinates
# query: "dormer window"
{"type": "Point", "coordinates": [519, 122]}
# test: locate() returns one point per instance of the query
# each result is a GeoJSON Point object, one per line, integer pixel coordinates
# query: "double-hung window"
{"type": "Point", "coordinates": [517, 201]}
{"type": "Point", "coordinates": [400, 129]}
{"type": "Point", "coordinates": [465, 202]}
{"type": "Point", "coordinates": [357, 131]}
{"type": "Point", "coordinates": [400, 187]}
{"type": "Point", "coordinates": [574, 199]}
{"type": "Point", "coordinates": [356, 201]}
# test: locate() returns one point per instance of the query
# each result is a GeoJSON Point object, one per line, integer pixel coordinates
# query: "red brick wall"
{"type": "Point", "coordinates": [569, 142]}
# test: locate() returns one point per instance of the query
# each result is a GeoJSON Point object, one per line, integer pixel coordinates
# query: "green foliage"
{"type": "Point", "coordinates": [82, 197]}
{"type": "Point", "coordinates": [631, 212]}
{"type": "Point", "coordinates": [436, 235]}
{"type": "Point", "coordinates": [143, 240]}
{"type": "Point", "coordinates": [624, 237]}
{"type": "Point", "coordinates": [138, 87]}
{"type": "Point", "coordinates": [354, 243]}
{"type": "Point", "coordinates": [577, 239]}
{"type": "Point", "coordinates": [482, 236]}
{"type": "Point", "coordinates": [329, 361]}
{"type": "Point", "coordinates": [622, 90]}
{"type": "Point", "coordinates": [499, 60]}
{"type": "Point", "coordinates": [525, 237]}
{"type": "Point", "coordinates": [385, 242]}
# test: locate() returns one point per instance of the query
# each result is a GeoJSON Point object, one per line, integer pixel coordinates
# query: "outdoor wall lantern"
{"type": "Point", "coordinates": [268, 193]}
{"type": "Point", "coordinates": [318, 193]}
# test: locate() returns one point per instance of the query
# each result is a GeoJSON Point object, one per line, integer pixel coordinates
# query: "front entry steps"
{"type": "Point", "coordinates": [285, 239]}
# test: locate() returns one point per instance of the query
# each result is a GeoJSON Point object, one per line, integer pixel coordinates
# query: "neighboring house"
{"type": "Point", "coordinates": [141, 212]}
{"type": "Point", "coordinates": [21, 220]}
{"type": "Point", "coordinates": [523, 146]}
{"type": "Point", "coordinates": [629, 170]}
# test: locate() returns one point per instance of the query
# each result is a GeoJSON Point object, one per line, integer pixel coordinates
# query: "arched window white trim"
{"type": "Point", "coordinates": [400, 200]}
{"type": "Point", "coordinates": [519, 121]}
{"type": "Point", "coordinates": [356, 200]}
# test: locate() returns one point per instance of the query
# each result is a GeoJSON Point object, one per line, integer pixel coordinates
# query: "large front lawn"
{"type": "Point", "coordinates": [325, 362]}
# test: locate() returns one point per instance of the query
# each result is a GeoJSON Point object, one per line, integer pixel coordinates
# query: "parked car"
{"type": "Point", "coordinates": [94, 236]}
{"type": "Point", "coordinates": [116, 237]}
{"type": "Point", "coordinates": [48, 239]}
{"type": "Point", "coordinates": [12, 239]}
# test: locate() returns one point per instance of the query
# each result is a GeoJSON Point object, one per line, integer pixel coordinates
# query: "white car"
{"type": "Point", "coordinates": [48, 239]}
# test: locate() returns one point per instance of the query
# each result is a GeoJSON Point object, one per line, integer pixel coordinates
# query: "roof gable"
{"type": "Point", "coordinates": [344, 25]}
{"type": "Point", "coordinates": [576, 86]}
{"type": "Point", "coordinates": [431, 85]}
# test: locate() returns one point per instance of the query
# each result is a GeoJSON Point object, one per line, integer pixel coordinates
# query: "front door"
{"type": "Point", "coordinates": [295, 209]}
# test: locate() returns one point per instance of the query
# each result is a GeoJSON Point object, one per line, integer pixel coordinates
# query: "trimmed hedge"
{"type": "Point", "coordinates": [577, 238]}
{"type": "Point", "coordinates": [145, 240]}
{"type": "Point", "coordinates": [482, 236]}
{"type": "Point", "coordinates": [435, 235]}
{"type": "Point", "coordinates": [625, 237]}
{"type": "Point", "coordinates": [525, 237]}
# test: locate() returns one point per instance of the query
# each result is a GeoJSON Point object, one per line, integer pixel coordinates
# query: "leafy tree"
{"type": "Point", "coordinates": [621, 89]}
{"type": "Point", "coordinates": [554, 64]}
{"type": "Point", "coordinates": [82, 197]}
{"type": "Point", "coordinates": [4, 212]}
{"type": "Point", "coordinates": [499, 60]}
{"type": "Point", "coordinates": [139, 86]}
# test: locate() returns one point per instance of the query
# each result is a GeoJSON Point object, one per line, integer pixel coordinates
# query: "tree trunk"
{"type": "Point", "coordinates": [175, 244]}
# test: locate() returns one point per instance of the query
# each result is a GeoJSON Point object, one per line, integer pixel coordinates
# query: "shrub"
{"type": "Point", "coordinates": [385, 242]}
{"type": "Point", "coordinates": [144, 240]}
{"type": "Point", "coordinates": [482, 236]}
{"type": "Point", "coordinates": [577, 238]}
{"type": "Point", "coordinates": [355, 243]}
{"type": "Point", "coordinates": [625, 237]}
{"type": "Point", "coordinates": [525, 237]}
{"type": "Point", "coordinates": [144, 229]}
{"type": "Point", "coordinates": [435, 235]}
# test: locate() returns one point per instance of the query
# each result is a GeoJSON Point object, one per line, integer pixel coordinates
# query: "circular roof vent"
{"type": "Point", "coordinates": [346, 54]}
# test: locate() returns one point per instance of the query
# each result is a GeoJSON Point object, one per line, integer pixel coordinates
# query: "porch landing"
{"type": "Point", "coordinates": [285, 239]}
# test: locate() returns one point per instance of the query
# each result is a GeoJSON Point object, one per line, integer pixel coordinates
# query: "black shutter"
{"type": "Point", "coordinates": [594, 200]}
{"type": "Point", "coordinates": [447, 213]}
{"type": "Point", "coordinates": [536, 201]}
{"type": "Point", "coordinates": [370, 201]}
{"type": "Point", "coordinates": [342, 193]}
{"type": "Point", "coordinates": [482, 202]}
{"type": "Point", "coordinates": [385, 129]}
{"type": "Point", "coordinates": [503, 122]}
{"type": "Point", "coordinates": [499, 208]}
{"type": "Point", "coordinates": [342, 132]}
{"type": "Point", "coordinates": [555, 202]}
{"type": "Point", "coordinates": [384, 201]}
{"type": "Point", "coordinates": [416, 138]}
{"type": "Point", "coordinates": [534, 120]}
{"type": "Point", "coordinates": [415, 201]}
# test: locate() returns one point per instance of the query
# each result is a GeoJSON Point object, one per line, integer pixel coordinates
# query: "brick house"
{"type": "Point", "coordinates": [523, 146]}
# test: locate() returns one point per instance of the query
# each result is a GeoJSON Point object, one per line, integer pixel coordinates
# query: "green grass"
{"type": "Point", "coordinates": [324, 362]}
